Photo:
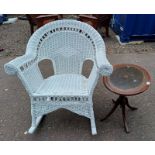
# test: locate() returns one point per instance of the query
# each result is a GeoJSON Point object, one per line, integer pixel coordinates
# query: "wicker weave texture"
{"type": "Point", "coordinates": [67, 43]}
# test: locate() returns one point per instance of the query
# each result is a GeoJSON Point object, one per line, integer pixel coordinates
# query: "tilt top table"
{"type": "Point", "coordinates": [126, 80]}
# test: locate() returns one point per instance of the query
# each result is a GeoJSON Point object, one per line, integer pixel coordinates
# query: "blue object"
{"type": "Point", "coordinates": [134, 27]}
{"type": "Point", "coordinates": [3, 18]}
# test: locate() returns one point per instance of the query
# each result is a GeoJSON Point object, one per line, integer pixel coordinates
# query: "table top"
{"type": "Point", "coordinates": [128, 79]}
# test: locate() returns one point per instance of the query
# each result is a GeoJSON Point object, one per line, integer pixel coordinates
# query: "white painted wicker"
{"type": "Point", "coordinates": [67, 43]}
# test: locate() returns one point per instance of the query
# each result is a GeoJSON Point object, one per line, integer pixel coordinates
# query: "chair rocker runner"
{"type": "Point", "coordinates": [67, 43]}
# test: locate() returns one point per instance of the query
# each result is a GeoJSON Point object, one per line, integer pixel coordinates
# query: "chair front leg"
{"type": "Point", "coordinates": [35, 124]}
{"type": "Point", "coordinates": [92, 120]}
{"type": "Point", "coordinates": [35, 120]}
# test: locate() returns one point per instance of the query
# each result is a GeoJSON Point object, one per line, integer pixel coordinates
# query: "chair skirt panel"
{"type": "Point", "coordinates": [68, 91]}
{"type": "Point", "coordinates": [40, 108]}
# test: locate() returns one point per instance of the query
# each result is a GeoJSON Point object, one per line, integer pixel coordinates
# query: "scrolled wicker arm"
{"type": "Point", "coordinates": [26, 68]}
{"type": "Point", "coordinates": [103, 65]}
{"type": "Point", "coordinates": [15, 65]}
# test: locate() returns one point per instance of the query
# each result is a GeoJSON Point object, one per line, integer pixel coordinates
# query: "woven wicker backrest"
{"type": "Point", "coordinates": [68, 43]}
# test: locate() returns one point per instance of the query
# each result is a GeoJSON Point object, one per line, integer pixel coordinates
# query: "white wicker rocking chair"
{"type": "Point", "coordinates": [67, 43]}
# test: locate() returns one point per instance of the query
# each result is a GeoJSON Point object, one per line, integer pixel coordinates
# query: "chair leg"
{"type": "Point", "coordinates": [35, 123]}
{"type": "Point", "coordinates": [92, 121]}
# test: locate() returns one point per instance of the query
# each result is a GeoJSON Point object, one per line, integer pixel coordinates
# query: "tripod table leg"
{"type": "Point", "coordinates": [129, 106]}
{"type": "Point", "coordinates": [124, 118]}
{"type": "Point", "coordinates": [112, 110]}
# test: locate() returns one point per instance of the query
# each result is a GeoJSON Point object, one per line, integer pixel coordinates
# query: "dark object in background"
{"type": "Point", "coordinates": [97, 21]}
{"type": "Point", "coordinates": [22, 17]}
{"type": "Point", "coordinates": [3, 18]}
{"type": "Point", "coordinates": [39, 20]}
{"type": "Point", "coordinates": [1, 49]}
{"type": "Point", "coordinates": [93, 21]}
{"type": "Point", "coordinates": [104, 21]}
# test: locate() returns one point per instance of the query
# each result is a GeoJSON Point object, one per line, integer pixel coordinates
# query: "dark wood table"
{"type": "Point", "coordinates": [126, 80]}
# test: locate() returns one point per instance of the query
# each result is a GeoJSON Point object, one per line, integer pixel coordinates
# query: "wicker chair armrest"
{"type": "Point", "coordinates": [103, 65]}
{"type": "Point", "coordinates": [16, 65]}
